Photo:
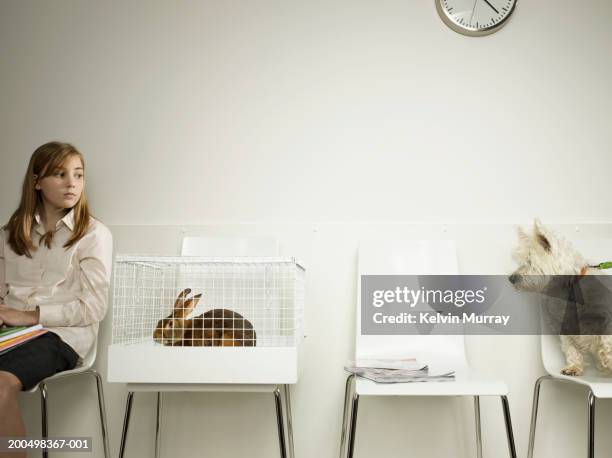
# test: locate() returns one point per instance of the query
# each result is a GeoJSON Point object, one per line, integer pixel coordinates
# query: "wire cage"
{"type": "Point", "coordinates": [237, 319]}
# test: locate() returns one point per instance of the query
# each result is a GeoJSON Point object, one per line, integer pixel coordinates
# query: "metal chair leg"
{"type": "Point", "coordinates": [287, 393]}
{"type": "Point", "coordinates": [534, 414]}
{"type": "Point", "coordinates": [347, 391]}
{"type": "Point", "coordinates": [158, 425]}
{"type": "Point", "coordinates": [43, 414]}
{"type": "Point", "coordinates": [353, 430]}
{"type": "Point", "coordinates": [478, 428]}
{"type": "Point", "coordinates": [279, 420]}
{"type": "Point", "coordinates": [102, 407]}
{"type": "Point", "coordinates": [508, 421]}
{"type": "Point", "coordinates": [591, 445]}
{"type": "Point", "coordinates": [126, 422]}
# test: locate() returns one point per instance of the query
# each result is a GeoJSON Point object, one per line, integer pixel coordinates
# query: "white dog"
{"type": "Point", "coordinates": [541, 256]}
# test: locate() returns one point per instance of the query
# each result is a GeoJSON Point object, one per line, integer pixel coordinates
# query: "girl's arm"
{"type": "Point", "coordinates": [95, 253]}
{"type": "Point", "coordinates": [9, 316]}
{"type": "Point", "coordinates": [3, 287]}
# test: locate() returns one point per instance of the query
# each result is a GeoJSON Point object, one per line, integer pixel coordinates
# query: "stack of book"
{"type": "Point", "coordinates": [13, 336]}
{"type": "Point", "coordinates": [396, 371]}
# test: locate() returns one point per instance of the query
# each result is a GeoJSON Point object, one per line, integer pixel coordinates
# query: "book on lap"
{"type": "Point", "coordinates": [13, 337]}
{"type": "Point", "coordinates": [10, 332]}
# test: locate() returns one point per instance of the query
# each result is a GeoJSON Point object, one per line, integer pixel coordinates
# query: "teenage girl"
{"type": "Point", "coordinates": [55, 266]}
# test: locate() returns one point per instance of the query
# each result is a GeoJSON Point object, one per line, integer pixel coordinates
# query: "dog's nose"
{"type": "Point", "coordinates": [513, 278]}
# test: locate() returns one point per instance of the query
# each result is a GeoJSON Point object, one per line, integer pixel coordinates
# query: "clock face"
{"type": "Point", "coordinates": [475, 17]}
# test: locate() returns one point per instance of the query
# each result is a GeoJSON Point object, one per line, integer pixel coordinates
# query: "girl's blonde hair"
{"type": "Point", "coordinates": [43, 163]}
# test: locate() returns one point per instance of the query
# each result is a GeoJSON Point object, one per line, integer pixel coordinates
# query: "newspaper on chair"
{"type": "Point", "coordinates": [396, 371]}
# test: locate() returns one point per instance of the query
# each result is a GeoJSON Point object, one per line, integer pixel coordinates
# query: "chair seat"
{"type": "Point", "coordinates": [600, 385]}
{"type": "Point", "coordinates": [76, 370]}
{"type": "Point", "coordinates": [82, 366]}
{"type": "Point", "coordinates": [463, 385]}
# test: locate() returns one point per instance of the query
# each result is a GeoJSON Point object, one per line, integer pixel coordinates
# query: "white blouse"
{"type": "Point", "coordinates": [69, 285]}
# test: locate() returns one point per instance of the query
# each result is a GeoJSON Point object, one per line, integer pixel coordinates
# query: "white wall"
{"type": "Point", "coordinates": [279, 113]}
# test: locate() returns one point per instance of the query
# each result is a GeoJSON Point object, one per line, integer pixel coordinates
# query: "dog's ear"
{"type": "Point", "coordinates": [522, 235]}
{"type": "Point", "coordinates": [537, 226]}
{"type": "Point", "coordinates": [543, 241]}
{"type": "Point", "coordinates": [540, 236]}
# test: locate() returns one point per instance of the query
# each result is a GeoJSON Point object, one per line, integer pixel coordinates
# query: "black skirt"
{"type": "Point", "coordinates": [38, 359]}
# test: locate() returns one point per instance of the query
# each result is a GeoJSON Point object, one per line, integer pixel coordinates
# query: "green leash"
{"type": "Point", "coordinates": [603, 265]}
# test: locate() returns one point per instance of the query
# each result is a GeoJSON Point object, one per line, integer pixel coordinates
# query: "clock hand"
{"type": "Point", "coordinates": [473, 9]}
{"type": "Point", "coordinates": [487, 2]}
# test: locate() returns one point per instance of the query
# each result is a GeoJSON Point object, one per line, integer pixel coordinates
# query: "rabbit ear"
{"type": "Point", "coordinates": [187, 307]}
{"type": "Point", "coordinates": [180, 300]}
{"type": "Point", "coordinates": [196, 299]}
{"type": "Point", "coordinates": [180, 303]}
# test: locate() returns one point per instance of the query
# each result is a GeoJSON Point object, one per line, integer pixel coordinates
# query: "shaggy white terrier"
{"type": "Point", "coordinates": [541, 255]}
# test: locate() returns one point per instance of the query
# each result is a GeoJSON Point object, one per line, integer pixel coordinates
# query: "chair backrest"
{"type": "Point", "coordinates": [409, 257]}
{"type": "Point", "coordinates": [594, 250]}
{"type": "Point", "coordinates": [229, 246]}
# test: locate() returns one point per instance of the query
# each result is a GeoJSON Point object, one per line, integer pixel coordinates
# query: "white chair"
{"type": "Point", "coordinates": [553, 360]}
{"type": "Point", "coordinates": [439, 352]}
{"type": "Point", "coordinates": [224, 246]}
{"type": "Point", "coordinates": [85, 368]}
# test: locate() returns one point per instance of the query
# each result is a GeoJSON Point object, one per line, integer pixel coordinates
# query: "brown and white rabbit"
{"type": "Point", "coordinates": [215, 328]}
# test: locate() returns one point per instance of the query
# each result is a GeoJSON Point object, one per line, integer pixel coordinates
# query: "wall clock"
{"type": "Point", "coordinates": [475, 17]}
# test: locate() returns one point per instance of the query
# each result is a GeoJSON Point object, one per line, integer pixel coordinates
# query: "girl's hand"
{"type": "Point", "coordinates": [13, 317]}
